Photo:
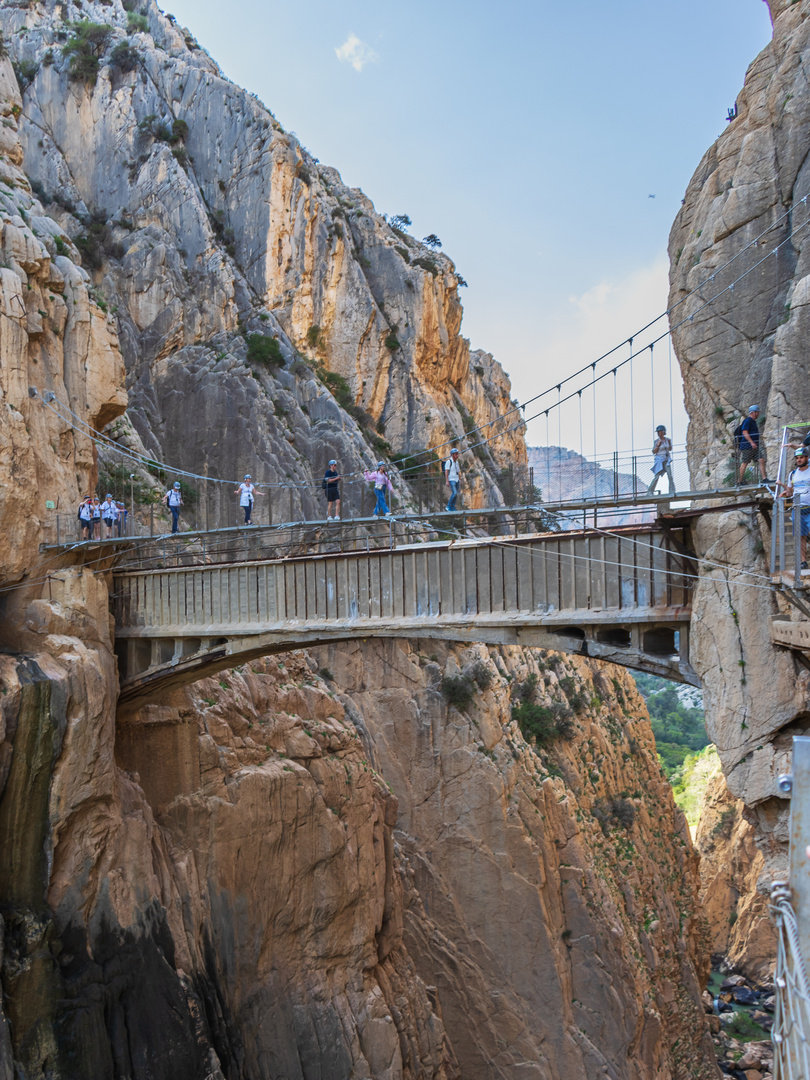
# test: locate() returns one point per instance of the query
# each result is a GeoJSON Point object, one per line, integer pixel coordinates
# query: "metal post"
{"type": "Point", "coordinates": [635, 477]}
{"type": "Point", "coordinates": [151, 519]}
{"type": "Point", "coordinates": [57, 530]}
{"type": "Point", "coordinates": [615, 474]}
{"type": "Point", "coordinates": [207, 503]}
{"type": "Point", "coordinates": [131, 502]}
{"type": "Point", "coordinates": [799, 878]}
{"type": "Point", "coordinates": [291, 504]}
{"type": "Point", "coordinates": [778, 523]}
{"type": "Point", "coordinates": [797, 542]}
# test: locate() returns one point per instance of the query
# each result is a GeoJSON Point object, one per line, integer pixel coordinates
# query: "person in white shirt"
{"type": "Point", "coordinates": [174, 500]}
{"type": "Point", "coordinates": [799, 490]}
{"type": "Point", "coordinates": [247, 493]}
{"type": "Point", "coordinates": [452, 474]}
{"type": "Point", "coordinates": [86, 518]}
{"type": "Point", "coordinates": [662, 460]}
{"type": "Point", "coordinates": [109, 515]}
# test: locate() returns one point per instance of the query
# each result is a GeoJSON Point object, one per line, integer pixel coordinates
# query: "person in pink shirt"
{"type": "Point", "coordinates": [382, 484]}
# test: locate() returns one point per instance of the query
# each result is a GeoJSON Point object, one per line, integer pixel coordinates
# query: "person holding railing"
{"type": "Point", "coordinates": [382, 484]}
{"type": "Point", "coordinates": [662, 460]}
{"type": "Point", "coordinates": [798, 489]}
{"type": "Point", "coordinates": [247, 493]}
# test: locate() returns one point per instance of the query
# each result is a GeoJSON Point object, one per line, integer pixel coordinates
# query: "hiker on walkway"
{"type": "Point", "coordinates": [331, 485]}
{"type": "Point", "coordinates": [96, 518]}
{"type": "Point", "coordinates": [123, 513]}
{"type": "Point", "coordinates": [799, 490]}
{"type": "Point", "coordinates": [174, 500]}
{"type": "Point", "coordinates": [662, 460]}
{"type": "Point", "coordinates": [748, 445]}
{"type": "Point", "coordinates": [109, 515]}
{"type": "Point", "coordinates": [452, 476]}
{"type": "Point", "coordinates": [86, 518]}
{"type": "Point", "coordinates": [382, 483]}
{"type": "Point", "coordinates": [247, 493]}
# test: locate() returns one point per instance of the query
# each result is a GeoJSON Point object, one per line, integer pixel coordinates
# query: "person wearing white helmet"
{"type": "Point", "coordinates": [174, 500]}
{"type": "Point", "coordinates": [109, 514]}
{"type": "Point", "coordinates": [798, 489]}
{"type": "Point", "coordinates": [247, 493]}
{"type": "Point", "coordinates": [452, 476]}
{"type": "Point", "coordinates": [331, 485]}
{"type": "Point", "coordinates": [382, 484]}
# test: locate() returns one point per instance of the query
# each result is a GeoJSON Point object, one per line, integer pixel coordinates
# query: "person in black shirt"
{"type": "Point", "coordinates": [749, 448]}
{"type": "Point", "coordinates": [331, 485]}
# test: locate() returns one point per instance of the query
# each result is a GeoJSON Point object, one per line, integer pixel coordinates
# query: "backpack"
{"type": "Point", "coordinates": [738, 435]}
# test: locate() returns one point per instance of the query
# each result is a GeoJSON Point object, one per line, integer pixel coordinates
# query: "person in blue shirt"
{"type": "Point", "coordinates": [749, 445]}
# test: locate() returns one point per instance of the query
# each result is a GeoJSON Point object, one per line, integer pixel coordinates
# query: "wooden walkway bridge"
{"type": "Point", "coordinates": [622, 595]}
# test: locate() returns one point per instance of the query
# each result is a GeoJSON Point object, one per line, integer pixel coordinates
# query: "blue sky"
{"type": "Point", "coordinates": [528, 136]}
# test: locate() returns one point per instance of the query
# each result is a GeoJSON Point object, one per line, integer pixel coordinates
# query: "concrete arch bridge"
{"type": "Point", "coordinates": [622, 595]}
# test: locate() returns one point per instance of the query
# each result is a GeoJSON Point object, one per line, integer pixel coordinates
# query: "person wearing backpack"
{"type": "Point", "coordinates": [109, 515]}
{"type": "Point", "coordinates": [86, 518]}
{"type": "Point", "coordinates": [452, 477]}
{"type": "Point", "coordinates": [174, 500]}
{"type": "Point", "coordinates": [747, 442]}
{"type": "Point", "coordinates": [662, 460]}
{"type": "Point", "coordinates": [331, 485]}
{"type": "Point", "coordinates": [799, 490]}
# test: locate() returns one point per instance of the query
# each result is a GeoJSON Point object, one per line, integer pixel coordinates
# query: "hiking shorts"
{"type": "Point", "coordinates": [749, 452]}
{"type": "Point", "coordinates": [805, 521]}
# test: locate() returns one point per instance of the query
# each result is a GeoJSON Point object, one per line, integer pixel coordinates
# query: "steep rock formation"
{"type": "Point", "coordinates": [214, 886]}
{"type": "Point", "coordinates": [202, 219]}
{"type": "Point", "coordinates": [553, 921]}
{"type": "Point", "coordinates": [748, 346]}
{"type": "Point", "coordinates": [734, 884]}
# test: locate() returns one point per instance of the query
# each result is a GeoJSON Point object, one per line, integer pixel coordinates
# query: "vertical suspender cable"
{"type": "Point", "coordinates": [581, 451]}
{"type": "Point", "coordinates": [615, 415]}
{"type": "Point", "coordinates": [632, 405]}
{"type": "Point", "coordinates": [548, 459]}
{"type": "Point", "coordinates": [671, 404]}
{"type": "Point", "coordinates": [559, 436]}
{"type": "Point", "coordinates": [593, 392]}
{"type": "Point", "coordinates": [652, 388]}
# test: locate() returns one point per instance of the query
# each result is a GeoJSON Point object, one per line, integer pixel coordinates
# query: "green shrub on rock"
{"type": "Point", "coordinates": [86, 48]}
{"type": "Point", "coordinates": [264, 350]}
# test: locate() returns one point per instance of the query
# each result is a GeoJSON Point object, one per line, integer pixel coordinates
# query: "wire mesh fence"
{"type": "Point", "coordinates": [791, 1025]}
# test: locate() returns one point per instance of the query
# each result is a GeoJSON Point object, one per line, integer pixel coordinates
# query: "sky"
{"type": "Point", "coordinates": [528, 135]}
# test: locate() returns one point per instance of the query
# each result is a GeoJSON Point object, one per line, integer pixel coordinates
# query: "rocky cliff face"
{"type": "Point", "coordinates": [734, 883]}
{"type": "Point", "coordinates": [748, 347]}
{"type": "Point", "coordinates": [278, 872]}
{"type": "Point", "coordinates": [202, 221]}
{"type": "Point", "coordinates": [535, 901]}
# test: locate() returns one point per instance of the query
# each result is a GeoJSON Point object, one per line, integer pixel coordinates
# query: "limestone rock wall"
{"type": "Point", "coordinates": [748, 346]}
{"type": "Point", "coordinates": [206, 221]}
{"type": "Point", "coordinates": [224, 885]}
{"type": "Point", "coordinates": [735, 884]}
{"type": "Point", "coordinates": [542, 904]}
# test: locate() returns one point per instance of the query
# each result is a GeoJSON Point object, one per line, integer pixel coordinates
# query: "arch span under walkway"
{"type": "Point", "coordinates": [622, 596]}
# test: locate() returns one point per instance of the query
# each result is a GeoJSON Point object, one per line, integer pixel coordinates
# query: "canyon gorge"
{"type": "Point", "coordinates": [349, 861]}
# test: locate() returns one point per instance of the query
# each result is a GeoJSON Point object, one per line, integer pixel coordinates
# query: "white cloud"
{"type": "Point", "coordinates": [355, 52]}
